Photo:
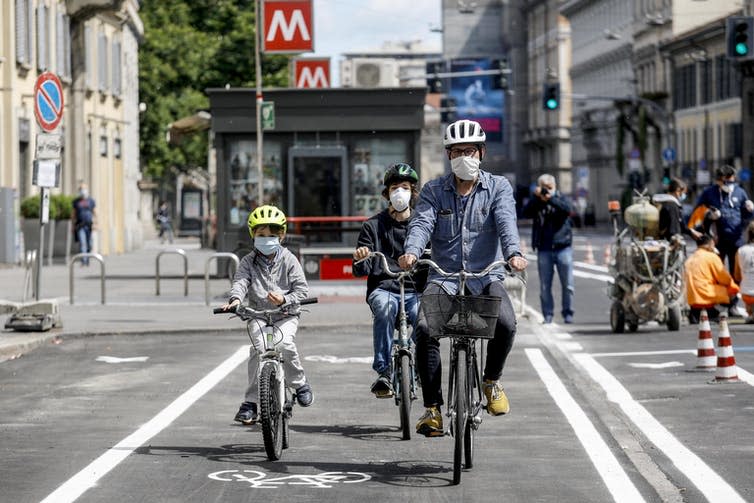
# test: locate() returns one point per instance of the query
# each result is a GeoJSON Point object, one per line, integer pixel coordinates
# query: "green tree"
{"type": "Point", "coordinates": [189, 46]}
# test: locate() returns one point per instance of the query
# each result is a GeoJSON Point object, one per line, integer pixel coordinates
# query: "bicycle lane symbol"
{"type": "Point", "coordinates": [258, 479]}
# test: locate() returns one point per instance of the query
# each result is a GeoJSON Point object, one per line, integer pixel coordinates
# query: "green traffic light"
{"type": "Point", "coordinates": [552, 104]}
{"type": "Point", "coordinates": [742, 49]}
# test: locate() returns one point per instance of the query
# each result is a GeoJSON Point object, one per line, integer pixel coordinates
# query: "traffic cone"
{"type": "Point", "coordinates": [589, 254]}
{"type": "Point", "coordinates": [607, 255]}
{"type": "Point", "coordinates": [705, 346]}
{"type": "Point", "coordinates": [726, 370]}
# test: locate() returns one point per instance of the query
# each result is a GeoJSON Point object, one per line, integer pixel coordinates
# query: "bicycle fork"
{"type": "Point", "coordinates": [473, 384]}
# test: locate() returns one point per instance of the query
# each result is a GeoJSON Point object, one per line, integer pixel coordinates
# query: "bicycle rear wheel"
{"type": "Point", "coordinates": [459, 419]}
{"type": "Point", "coordinates": [404, 378]}
{"type": "Point", "coordinates": [468, 434]}
{"type": "Point", "coordinates": [270, 412]}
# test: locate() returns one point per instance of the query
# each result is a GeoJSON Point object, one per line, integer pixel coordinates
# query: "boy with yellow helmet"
{"type": "Point", "coordinates": [270, 275]}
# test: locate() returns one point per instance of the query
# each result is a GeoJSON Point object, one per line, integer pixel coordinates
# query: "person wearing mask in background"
{"type": "Point", "coordinates": [386, 232]}
{"type": "Point", "coordinates": [163, 219]}
{"type": "Point", "coordinates": [735, 210]}
{"type": "Point", "coordinates": [552, 238]}
{"type": "Point", "coordinates": [671, 216]}
{"type": "Point", "coordinates": [744, 272]}
{"type": "Point", "coordinates": [469, 217]}
{"type": "Point", "coordinates": [84, 220]}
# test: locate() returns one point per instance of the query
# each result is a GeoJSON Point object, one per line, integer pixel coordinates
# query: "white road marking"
{"type": "Point", "coordinates": [714, 487]}
{"type": "Point", "coordinates": [663, 365]}
{"type": "Point", "coordinates": [650, 353]}
{"type": "Point", "coordinates": [337, 359]}
{"type": "Point", "coordinates": [615, 478]}
{"type": "Point", "coordinates": [116, 359]}
{"type": "Point", "coordinates": [88, 477]}
{"type": "Point", "coordinates": [571, 346]}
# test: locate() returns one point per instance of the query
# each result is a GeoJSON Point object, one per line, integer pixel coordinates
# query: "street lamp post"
{"type": "Point", "coordinates": [259, 99]}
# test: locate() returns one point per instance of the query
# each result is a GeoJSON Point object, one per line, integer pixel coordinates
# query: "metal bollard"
{"type": "Point", "coordinates": [229, 255]}
{"type": "Point", "coordinates": [81, 256]}
{"type": "Point", "coordinates": [177, 251]}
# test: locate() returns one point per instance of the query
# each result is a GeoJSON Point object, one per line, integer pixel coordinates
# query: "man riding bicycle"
{"type": "Point", "coordinates": [386, 232]}
{"type": "Point", "coordinates": [469, 217]}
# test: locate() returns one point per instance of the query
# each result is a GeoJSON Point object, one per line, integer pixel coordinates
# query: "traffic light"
{"type": "Point", "coordinates": [551, 96]}
{"type": "Point", "coordinates": [500, 81]}
{"type": "Point", "coordinates": [448, 108]}
{"type": "Point", "coordinates": [434, 83]}
{"type": "Point", "coordinates": [739, 35]}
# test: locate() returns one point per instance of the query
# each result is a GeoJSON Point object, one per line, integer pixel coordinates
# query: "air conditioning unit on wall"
{"type": "Point", "coordinates": [370, 72]}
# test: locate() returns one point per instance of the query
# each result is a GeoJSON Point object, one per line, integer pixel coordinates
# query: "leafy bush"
{"type": "Point", "coordinates": [61, 207]}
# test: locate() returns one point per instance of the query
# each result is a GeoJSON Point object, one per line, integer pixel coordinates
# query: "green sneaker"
{"type": "Point", "coordinates": [430, 424]}
{"type": "Point", "coordinates": [497, 402]}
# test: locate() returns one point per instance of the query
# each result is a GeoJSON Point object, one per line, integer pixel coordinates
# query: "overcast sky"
{"type": "Point", "coordinates": [353, 25]}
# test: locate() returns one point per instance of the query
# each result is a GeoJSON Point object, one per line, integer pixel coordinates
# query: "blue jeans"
{"type": "Point", "coordinates": [84, 234]}
{"type": "Point", "coordinates": [547, 262]}
{"type": "Point", "coordinates": [384, 306]}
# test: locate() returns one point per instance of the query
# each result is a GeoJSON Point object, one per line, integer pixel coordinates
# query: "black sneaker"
{"type": "Point", "coordinates": [304, 395]}
{"type": "Point", "coordinates": [382, 388]}
{"type": "Point", "coordinates": [247, 413]}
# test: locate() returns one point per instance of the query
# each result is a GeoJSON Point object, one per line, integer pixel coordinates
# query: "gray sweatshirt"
{"type": "Point", "coordinates": [257, 276]}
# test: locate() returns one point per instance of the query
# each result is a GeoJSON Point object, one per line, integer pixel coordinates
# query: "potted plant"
{"type": "Point", "coordinates": [61, 207]}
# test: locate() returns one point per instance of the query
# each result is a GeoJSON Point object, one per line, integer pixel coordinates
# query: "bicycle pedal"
{"type": "Point", "coordinates": [383, 394]}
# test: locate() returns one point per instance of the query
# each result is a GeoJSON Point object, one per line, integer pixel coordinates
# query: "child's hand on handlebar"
{"type": "Point", "coordinates": [518, 263]}
{"type": "Point", "coordinates": [361, 253]}
{"type": "Point", "coordinates": [230, 306]}
{"type": "Point", "coordinates": [407, 261]}
{"type": "Point", "coordinates": [276, 298]}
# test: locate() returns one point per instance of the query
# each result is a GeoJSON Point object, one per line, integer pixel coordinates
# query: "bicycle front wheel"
{"type": "Point", "coordinates": [404, 376]}
{"type": "Point", "coordinates": [270, 409]}
{"type": "Point", "coordinates": [461, 408]}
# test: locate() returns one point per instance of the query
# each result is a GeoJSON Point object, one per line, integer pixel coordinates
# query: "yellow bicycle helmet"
{"type": "Point", "coordinates": [266, 215]}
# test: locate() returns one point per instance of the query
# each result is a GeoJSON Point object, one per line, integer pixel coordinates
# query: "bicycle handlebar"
{"type": "Point", "coordinates": [386, 266]}
{"type": "Point", "coordinates": [245, 312]}
{"type": "Point", "coordinates": [466, 274]}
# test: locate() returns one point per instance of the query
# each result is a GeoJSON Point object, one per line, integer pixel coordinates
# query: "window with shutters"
{"type": "Point", "coordinates": [88, 57]}
{"type": "Point", "coordinates": [24, 31]}
{"type": "Point", "coordinates": [43, 52]}
{"type": "Point", "coordinates": [116, 83]}
{"type": "Point", "coordinates": [63, 45]}
{"type": "Point", "coordinates": [102, 63]}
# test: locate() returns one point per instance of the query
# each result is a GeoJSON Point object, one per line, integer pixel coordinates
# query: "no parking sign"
{"type": "Point", "coordinates": [48, 101]}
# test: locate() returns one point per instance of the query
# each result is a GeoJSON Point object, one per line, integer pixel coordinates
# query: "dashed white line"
{"type": "Point", "coordinates": [714, 487]}
{"type": "Point", "coordinates": [615, 478]}
{"type": "Point", "coordinates": [88, 477]}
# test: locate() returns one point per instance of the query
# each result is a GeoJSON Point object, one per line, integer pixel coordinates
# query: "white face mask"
{"type": "Point", "coordinates": [400, 198]}
{"type": "Point", "coordinates": [267, 245]}
{"type": "Point", "coordinates": [465, 168]}
{"type": "Point", "coordinates": [728, 187]}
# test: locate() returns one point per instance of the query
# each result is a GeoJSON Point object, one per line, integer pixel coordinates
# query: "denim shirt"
{"type": "Point", "coordinates": [470, 236]}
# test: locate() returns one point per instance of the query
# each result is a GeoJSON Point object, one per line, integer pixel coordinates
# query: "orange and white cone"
{"type": "Point", "coordinates": [607, 255]}
{"type": "Point", "coordinates": [589, 254]}
{"type": "Point", "coordinates": [726, 370]}
{"type": "Point", "coordinates": [705, 346]}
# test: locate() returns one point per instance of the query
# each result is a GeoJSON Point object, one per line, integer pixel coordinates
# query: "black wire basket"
{"type": "Point", "coordinates": [456, 316]}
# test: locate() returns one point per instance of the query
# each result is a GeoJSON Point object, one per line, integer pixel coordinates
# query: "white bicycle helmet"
{"type": "Point", "coordinates": [463, 131]}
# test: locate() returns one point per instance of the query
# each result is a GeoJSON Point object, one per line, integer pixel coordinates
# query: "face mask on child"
{"type": "Point", "coordinates": [400, 198]}
{"type": "Point", "coordinates": [267, 245]}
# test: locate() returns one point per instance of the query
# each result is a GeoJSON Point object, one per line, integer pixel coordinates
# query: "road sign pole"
{"type": "Point", "coordinates": [44, 217]}
{"type": "Point", "coordinates": [258, 78]}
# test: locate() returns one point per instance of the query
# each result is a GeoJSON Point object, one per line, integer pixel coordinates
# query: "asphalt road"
{"type": "Point", "coordinates": [595, 417]}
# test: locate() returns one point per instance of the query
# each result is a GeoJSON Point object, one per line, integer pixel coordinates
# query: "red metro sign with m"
{"type": "Point", "coordinates": [288, 26]}
{"type": "Point", "coordinates": [311, 73]}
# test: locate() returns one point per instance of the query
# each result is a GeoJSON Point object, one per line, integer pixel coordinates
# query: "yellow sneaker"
{"type": "Point", "coordinates": [497, 402]}
{"type": "Point", "coordinates": [430, 424]}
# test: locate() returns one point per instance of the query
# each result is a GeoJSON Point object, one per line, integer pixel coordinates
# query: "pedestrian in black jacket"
{"type": "Point", "coordinates": [552, 238]}
{"type": "Point", "coordinates": [671, 216]}
{"type": "Point", "coordinates": [386, 232]}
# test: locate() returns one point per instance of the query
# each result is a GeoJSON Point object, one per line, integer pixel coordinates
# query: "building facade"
{"type": "Point", "coordinates": [93, 48]}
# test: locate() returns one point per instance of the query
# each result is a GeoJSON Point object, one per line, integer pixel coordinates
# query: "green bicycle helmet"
{"type": "Point", "coordinates": [400, 172]}
{"type": "Point", "coordinates": [266, 215]}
